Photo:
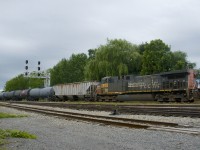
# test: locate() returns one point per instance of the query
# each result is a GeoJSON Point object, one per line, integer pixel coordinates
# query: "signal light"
{"type": "Point", "coordinates": [26, 67]}
{"type": "Point", "coordinates": [38, 74]}
{"type": "Point", "coordinates": [26, 73]}
{"type": "Point", "coordinates": [38, 68]}
{"type": "Point", "coordinates": [26, 61]}
{"type": "Point", "coordinates": [38, 62]}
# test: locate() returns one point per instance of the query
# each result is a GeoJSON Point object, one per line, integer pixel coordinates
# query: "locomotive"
{"type": "Point", "coordinates": [168, 86]}
{"type": "Point", "coordinates": [178, 86]}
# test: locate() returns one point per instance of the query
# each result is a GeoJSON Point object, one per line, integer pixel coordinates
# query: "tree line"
{"type": "Point", "coordinates": [20, 83]}
{"type": "Point", "coordinates": [117, 57]}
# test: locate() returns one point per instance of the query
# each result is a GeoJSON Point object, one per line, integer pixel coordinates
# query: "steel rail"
{"type": "Point", "coordinates": [191, 111]}
{"type": "Point", "coordinates": [111, 118]}
{"type": "Point", "coordinates": [79, 117]}
{"type": "Point", "coordinates": [108, 121]}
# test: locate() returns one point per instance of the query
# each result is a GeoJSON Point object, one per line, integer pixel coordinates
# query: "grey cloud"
{"type": "Point", "coordinates": [49, 30]}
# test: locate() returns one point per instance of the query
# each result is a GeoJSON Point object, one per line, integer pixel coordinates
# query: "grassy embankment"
{"type": "Point", "coordinates": [13, 133]}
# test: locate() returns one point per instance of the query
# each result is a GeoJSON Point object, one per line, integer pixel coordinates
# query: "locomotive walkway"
{"type": "Point", "coordinates": [116, 121]}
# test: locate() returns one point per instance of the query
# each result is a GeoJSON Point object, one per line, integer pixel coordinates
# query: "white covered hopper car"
{"type": "Point", "coordinates": [76, 91]}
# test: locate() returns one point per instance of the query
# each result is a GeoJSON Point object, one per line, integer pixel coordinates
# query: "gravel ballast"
{"type": "Point", "coordinates": [59, 134]}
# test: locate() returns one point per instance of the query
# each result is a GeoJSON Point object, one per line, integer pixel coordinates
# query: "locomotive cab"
{"type": "Point", "coordinates": [104, 84]}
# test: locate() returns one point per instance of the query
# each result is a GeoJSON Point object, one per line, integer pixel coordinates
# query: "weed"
{"type": "Point", "coordinates": [5, 115]}
{"type": "Point", "coordinates": [15, 134]}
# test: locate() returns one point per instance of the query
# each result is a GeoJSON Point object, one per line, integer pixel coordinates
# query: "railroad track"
{"type": "Point", "coordinates": [165, 111]}
{"type": "Point", "coordinates": [160, 110]}
{"type": "Point", "coordinates": [115, 121]}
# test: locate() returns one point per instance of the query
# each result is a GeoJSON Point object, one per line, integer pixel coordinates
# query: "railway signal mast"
{"type": "Point", "coordinates": [42, 75]}
{"type": "Point", "coordinates": [26, 67]}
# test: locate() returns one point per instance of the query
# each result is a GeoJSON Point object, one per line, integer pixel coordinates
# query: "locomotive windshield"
{"type": "Point", "coordinates": [106, 80]}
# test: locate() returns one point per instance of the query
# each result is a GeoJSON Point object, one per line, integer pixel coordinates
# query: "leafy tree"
{"type": "Point", "coordinates": [198, 74]}
{"type": "Point", "coordinates": [67, 71]}
{"type": "Point", "coordinates": [91, 53]}
{"type": "Point", "coordinates": [77, 63]}
{"type": "Point", "coordinates": [191, 65]}
{"type": "Point", "coordinates": [116, 58]}
{"type": "Point", "coordinates": [142, 48]}
{"type": "Point", "coordinates": [59, 72]}
{"type": "Point", "coordinates": [179, 60]}
{"type": "Point", "coordinates": [156, 57]}
{"type": "Point", "coordinates": [20, 82]}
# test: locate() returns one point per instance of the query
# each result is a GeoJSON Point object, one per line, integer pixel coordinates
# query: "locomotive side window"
{"type": "Point", "coordinates": [176, 76]}
{"type": "Point", "coordinates": [110, 80]}
{"type": "Point", "coordinates": [106, 80]}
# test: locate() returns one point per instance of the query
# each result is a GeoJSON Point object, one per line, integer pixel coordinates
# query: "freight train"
{"type": "Point", "coordinates": [178, 86]}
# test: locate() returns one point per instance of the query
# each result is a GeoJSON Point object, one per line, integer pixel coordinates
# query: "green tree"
{"type": "Point", "coordinates": [77, 63]}
{"type": "Point", "coordinates": [156, 57]}
{"type": "Point", "coordinates": [142, 48]}
{"type": "Point", "coordinates": [198, 74]}
{"type": "Point", "coordinates": [71, 70]}
{"type": "Point", "coordinates": [117, 57]}
{"type": "Point", "coordinates": [20, 82]}
{"type": "Point", "coordinates": [191, 65]}
{"type": "Point", "coordinates": [91, 53]}
{"type": "Point", "coordinates": [60, 73]}
{"type": "Point", "coordinates": [179, 60]}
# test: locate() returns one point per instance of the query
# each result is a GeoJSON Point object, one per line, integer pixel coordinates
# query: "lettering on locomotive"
{"type": "Point", "coordinates": [143, 85]}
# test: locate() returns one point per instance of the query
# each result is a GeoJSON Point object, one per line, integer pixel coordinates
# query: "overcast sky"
{"type": "Point", "coordinates": [49, 30]}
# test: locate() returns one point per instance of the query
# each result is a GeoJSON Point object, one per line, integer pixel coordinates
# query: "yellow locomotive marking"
{"type": "Point", "coordinates": [105, 85]}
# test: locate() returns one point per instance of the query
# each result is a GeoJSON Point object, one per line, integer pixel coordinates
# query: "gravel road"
{"type": "Point", "coordinates": [59, 134]}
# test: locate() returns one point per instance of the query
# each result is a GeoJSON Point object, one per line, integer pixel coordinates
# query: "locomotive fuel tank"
{"type": "Point", "coordinates": [137, 97]}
